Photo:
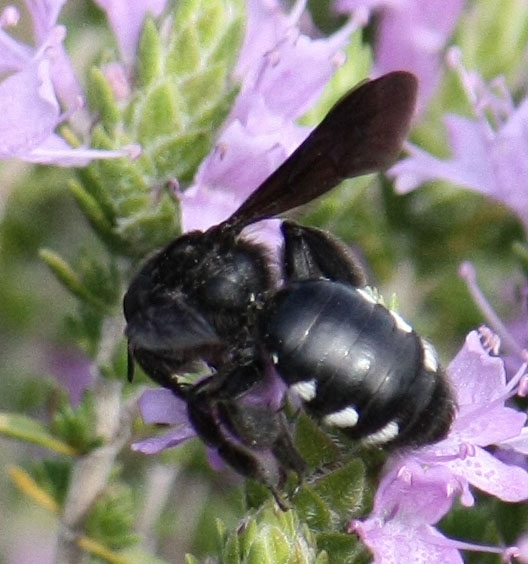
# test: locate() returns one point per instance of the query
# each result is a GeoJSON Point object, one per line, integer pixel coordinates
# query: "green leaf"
{"type": "Point", "coordinates": [160, 114]}
{"type": "Point", "coordinates": [53, 476]}
{"type": "Point", "coordinates": [111, 520]}
{"type": "Point", "coordinates": [29, 430]}
{"type": "Point", "coordinates": [76, 426]}
{"type": "Point", "coordinates": [102, 99]}
{"type": "Point", "coordinates": [183, 93]}
{"type": "Point", "coordinates": [69, 279]}
{"type": "Point", "coordinates": [227, 47]}
{"type": "Point", "coordinates": [231, 551]}
{"type": "Point", "coordinates": [316, 447]}
{"type": "Point", "coordinates": [184, 56]}
{"type": "Point", "coordinates": [255, 493]}
{"type": "Point", "coordinates": [203, 86]}
{"type": "Point", "coordinates": [343, 489]}
{"type": "Point", "coordinates": [343, 549]}
{"type": "Point", "coordinates": [150, 61]}
{"type": "Point", "coordinates": [180, 156]}
{"type": "Point", "coordinates": [312, 509]}
{"type": "Point", "coordinates": [91, 209]}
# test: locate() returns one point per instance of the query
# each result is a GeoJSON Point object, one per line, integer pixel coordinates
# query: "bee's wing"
{"type": "Point", "coordinates": [362, 133]}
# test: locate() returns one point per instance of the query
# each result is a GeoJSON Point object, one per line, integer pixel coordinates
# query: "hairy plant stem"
{"type": "Point", "coordinates": [91, 472]}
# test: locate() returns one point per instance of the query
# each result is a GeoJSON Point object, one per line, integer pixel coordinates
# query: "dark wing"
{"type": "Point", "coordinates": [362, 133]}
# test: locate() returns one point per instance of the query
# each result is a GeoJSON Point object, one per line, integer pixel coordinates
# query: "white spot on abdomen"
{"type": "Point", "coordinates": [306, 389]}
{"type": "Point", "coordinates": [384, 435]}
{"type": "Point", "coordinates": [346, 417]}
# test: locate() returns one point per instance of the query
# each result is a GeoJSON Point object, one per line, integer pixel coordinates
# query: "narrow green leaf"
{"type": "Point", "coordinates": [312, 509]}
{"type": "Point", "coordinates": [279, 547]}
{"type": "Point", "coordinates": [186, 13]}
{"type": "Point", "coordinates": [228, 47]}
{"type": "Point", "coordinates": [29, 430]}
{"type": "Point", "coordinates": [180, 156]}
{"type": "Point", "coordinates": [259, 553]}
{"type": "Point", "coordinates": [90, 208]}
{"type": "Point", "coordinates": [90, 181]}
{"type": "Point", "coordinates": [343, 489]}
{"type": "Point", "coordinates": [184, 56]}
{"type": "Point", "coordinates": [65, 274]}
{"type": "Point", "coordinates": [221, 535]}
{"type": "Point", "coordinates": [150, 60]}
{"type": "Point", "coordinates": [159, 114]}
{"type": "Point", "coordinates": [212, 116]}
{"type": "Point", "coordinates": [322, 558]}
{"type": "Point", "coordinates": [315, 446]}
{"type": "Point", "coordinates": [210, 22]}
{"type": "Point", "coordinates": [102, 99]}
{"type": "Point", "coordinates": [201, 87]}
{"type": "Point", "coordinates": [190, 559]}
{"type": "Point", "coordinates": [247, 537]}
{"type": "Point", "coordinates": [231, 552]}
{"type": "Point", "coordinates": [343, 548]}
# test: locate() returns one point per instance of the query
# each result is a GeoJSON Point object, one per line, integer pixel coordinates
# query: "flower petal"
{"type": "Point", "coordinates": [487, 473]}
{"type": "Point", "coordinates": [162, 406]}
{"type": "Point", "coordinates": [155, 445]}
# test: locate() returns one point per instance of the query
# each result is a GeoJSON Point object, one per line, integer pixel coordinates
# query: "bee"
{"type": "Point", "coordinates": [211, 297]}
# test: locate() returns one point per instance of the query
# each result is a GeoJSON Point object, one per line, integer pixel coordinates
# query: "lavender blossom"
{"type": "Point", "coordinates": [72, 370]}
{"type": "Point", "coordinates": [412, 35]}
{"type": "Point", "coordinates": [409, 501]}
{"type": "Point", "coordinates": [489, 155]}
{"type": "Point", "coordinates": [39, 80]}
{"type": "Point", "coordinates": [161, 406]}
{"type": "Point", "coordinates": [483, 420]}
{"type": "Point", "coordinates": [282, 72]}
{"type": "Point", "coordinates": [420, 487]}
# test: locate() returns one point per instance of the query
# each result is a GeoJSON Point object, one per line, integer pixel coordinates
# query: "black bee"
{"type": "Point", "coordinates": [211, 297]}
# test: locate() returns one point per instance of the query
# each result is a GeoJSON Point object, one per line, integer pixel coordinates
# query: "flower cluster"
{"type": "Point", "coordinates": [421, 487]}
{"type": "Point", "coordinates": [489, 151]}
{"type": "Point", "coordinates": [40, 91]}
{"type": "Point", "coordinates": [282, 69]}
{"type": "Point", "coordinates": [282, 72]}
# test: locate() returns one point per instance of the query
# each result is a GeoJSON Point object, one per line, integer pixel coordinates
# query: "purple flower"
{"type": "Point", "coordinates": [126, 19]}
{"type": "Point", "coordinates": [487, 156]}
{"type": "Point", "coordinates": [483, 420]}
{"type": "Point", "coordinates": [161, 406]}
{"type": "Point", "coordinates": [420, 487]}
{"type": "Point", "coordinates": [412, 35]}
{"type": "Point", "coordinates": [513, 336]}
{"type": "Point", "coordinates": [39, 80]}
{"type": "Point", "coordinates": [72, 370]}
{"type": "Point", "coordinates": [409, 501]}
{"type": "Point", "coordinates": [282, 72]}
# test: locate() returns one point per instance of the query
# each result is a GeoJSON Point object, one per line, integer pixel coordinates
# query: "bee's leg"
{"type": "Point", "coordinates": [238, 430]}
{"type": "Point", "coordinates": [311, 253]}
